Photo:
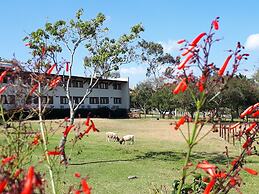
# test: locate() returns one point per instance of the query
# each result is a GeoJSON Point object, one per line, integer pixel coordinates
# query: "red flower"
{"type": "Point", "coordinates": [28, 44]}
{"type": "Point", "coordinates": [86, 189]}
{"type": "Point", "coordinates": [224, 66]}
{"type": "Point", "coordinates": [207, 167]}
{"type": "Point", "coordinates": [17, 173]}
{"type": "Point", "coordinates": [247, 111]}
{"type": "Point", "coordinates": [197, 39]}
{"type": "Point", "coordinates": [250, 171]}
{"type": "Point", "coordinates": [251, 127]}
{"type": "Point", "coordinates": [67, 66]}
{"type": "Point", "coordinates": [247, 143]}
{"type": "Point", "coordinates": [43, 50]}
{"type": "Point", "coordinates": [234, 126]}
{"type": "Point", "coordinates": [51, 69]}
{"type": "Point", "coordinates": [180, 122]}
{"type": "Point", "coordinates": [210, 186]}
{"type": "Point", "coordinates": [215, 24]}
{"type": "Point", "coordinates": [36, 139]}
{"type": "Point", "coordinates": [53, 153]}
{"type": "Point", "coordinates": [182, 64]}
{"type": "Point", "coordinates": [87, 121]}
{"type": "Point", "coordinates": [2, 76]}
{"type": "Point", "coordinates": [87, 129]}
{"type": "Point", "coordinates": [3, 185]}
{"type": "Point", "coordinates": [233, 163]}
{"type": "Point", "coordinates": [34, 88]}
{"type": "Point", "coordinates": [255, 114]}
{"type": "Point", "coordinates": [182, 86]}
{"type": "Point", "coordinates": [77, 175]}
{"type": "Point", "coordinates": [77, 192]}
{"type": "Point", "coordinates": [7, 160]}
{"type": "Point", "coordinates": [200, 83]}
{"type": "Point", "coordinates": [189, 49]}
{"type": "Point", "coordinates": [67, 130]}
{"type": "Point", "coordinates": [55, 82]}
{"type": "Point", "coordinates": [2, 90]}
{"type": "Point", "coordinates": [232, 182]}
{"type": "Point", "coordinates": [239, 57]}
{"type": "Point", "coordinates": [181, 41]}
{"type": "Point", "coordinates": [28, 189]}
{"type": "Point", "coordinates": [93, 127]}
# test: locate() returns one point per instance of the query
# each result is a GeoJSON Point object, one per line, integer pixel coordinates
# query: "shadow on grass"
{"type": "Point", "coordinates": [176, 156]}
{"type": "Point", "coordinates": [168, 156]}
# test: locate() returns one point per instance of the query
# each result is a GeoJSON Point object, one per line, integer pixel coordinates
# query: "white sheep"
{"type": "Point", "coordinates": [128, 138]}
{"type": "Point", "coordinates": [111, 136]}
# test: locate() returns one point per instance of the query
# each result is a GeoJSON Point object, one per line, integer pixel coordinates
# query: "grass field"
{"type": "Point", "coordinates": [155, 158]}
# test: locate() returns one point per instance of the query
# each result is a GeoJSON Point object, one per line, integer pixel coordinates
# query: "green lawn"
{"type": "Point", "coordinates": [155, 158]}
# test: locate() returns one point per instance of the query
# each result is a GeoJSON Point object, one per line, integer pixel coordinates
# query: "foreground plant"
{"type": "Point", "coordinates": [204, 90]}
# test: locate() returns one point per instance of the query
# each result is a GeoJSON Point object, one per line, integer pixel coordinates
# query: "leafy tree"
{"type": "Point", "coordinates": [141, 96]}
{"type": "Point", "coordinates": [153, 55]}
{"type": "Point", "coordinates": [103, 54]}
{"type": "Point", "coordinates": [256, 76]}
{"type": "Point", "coordinates": [164, 101]}
{"type": "Point", "coordinates": [240, 93]}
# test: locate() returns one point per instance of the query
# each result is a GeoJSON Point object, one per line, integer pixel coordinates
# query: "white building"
{"type": "Point", "coordinates": [109, 93]}
{"type": "Point", "coordinates": [112, 94]}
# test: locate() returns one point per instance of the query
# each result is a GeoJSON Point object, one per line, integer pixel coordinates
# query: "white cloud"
{"type": "Point", "coordinates": [135, 70]}
{"type": "Point", "coordinates": [170, 46]}
{"type": "Point", "coordinates": [252, 42]}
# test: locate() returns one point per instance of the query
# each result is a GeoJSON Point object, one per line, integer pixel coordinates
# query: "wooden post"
{"type": "Point", "coordinates": [228, 131]}
{"type": "Point", "coordinates": [225, 132]}
{"type": "Point", "coordinates": [233, 136]}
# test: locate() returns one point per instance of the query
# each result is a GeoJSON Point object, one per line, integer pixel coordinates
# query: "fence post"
{"type": "Point", "coordinates": [225, 132]}
{"type": "Point", "coordinates": [234, 131]}
{"type": "Point", "coordinates": [228, 130]}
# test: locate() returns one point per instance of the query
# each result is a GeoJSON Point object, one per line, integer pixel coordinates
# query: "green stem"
{"type": "Point", "coordinates": [190, 146]}
{"type": "Point", "coordinates": [195, 127]}
{"type": "Point", "coordinates": [45, 143]}
{"type": "Point", "coordinates": [187, 159]}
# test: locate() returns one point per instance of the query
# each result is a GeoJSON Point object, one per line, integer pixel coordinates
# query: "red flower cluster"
{"type": "Point", "coordinates": [250, 110]}
{"type": "Point", "coordinates": [55, 82]}
{"type": "Point", "coordinates": [181, 87]}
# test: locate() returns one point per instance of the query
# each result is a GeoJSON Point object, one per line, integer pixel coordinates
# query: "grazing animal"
{"type": "Point", "coordinates": [111, 136]}
{"type": "Point", "coordinates": [128, 138]}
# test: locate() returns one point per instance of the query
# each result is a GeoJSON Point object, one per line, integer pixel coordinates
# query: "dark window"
{"type": "Point", "coordinates": [103, 85]}
{"type": "Point", "coordinates": [76, 84]}
{"type": "Point", "coordinates": [104, 100]}
{"type": "Point", "coordinates": [94, 100]}
{"type": "Point", "coordinates": [80, 84]}
{"type": "Point", "coordinates": [11, 99]}
{"type": "Point", "coordinates": [29, 100]}
{"type": "Point", "coordinates": [35, 100]}
{"type": "Point", "coordinates": [117, 100]}
{"type": "Point", "coordinates": [4, 99]}
{"type": "Point", "coordinates": [44, 100]}
{"type": "Point", "coordinates": [5, 80]}
{"type": "Point", "coordinates": [47, 99]}
{"type": "Point", "coordinates": [116, 86]}
{"type": "Point", "coordinates": [77, 99]}
{"type": "Point", "coordinates": [63, 100]}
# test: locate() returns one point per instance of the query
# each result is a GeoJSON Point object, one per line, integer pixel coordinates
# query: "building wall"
{"type": "Point", "coordinates": [58, 92]}
{"type": "Point", "coordinates": [111, 93]}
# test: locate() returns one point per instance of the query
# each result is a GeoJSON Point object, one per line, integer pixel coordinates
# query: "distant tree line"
{"type": "Point", "coordinates": [156, 94]}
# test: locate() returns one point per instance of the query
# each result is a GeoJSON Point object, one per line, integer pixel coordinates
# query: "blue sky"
{"type": "Point", "coordinates": [165, 21]}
